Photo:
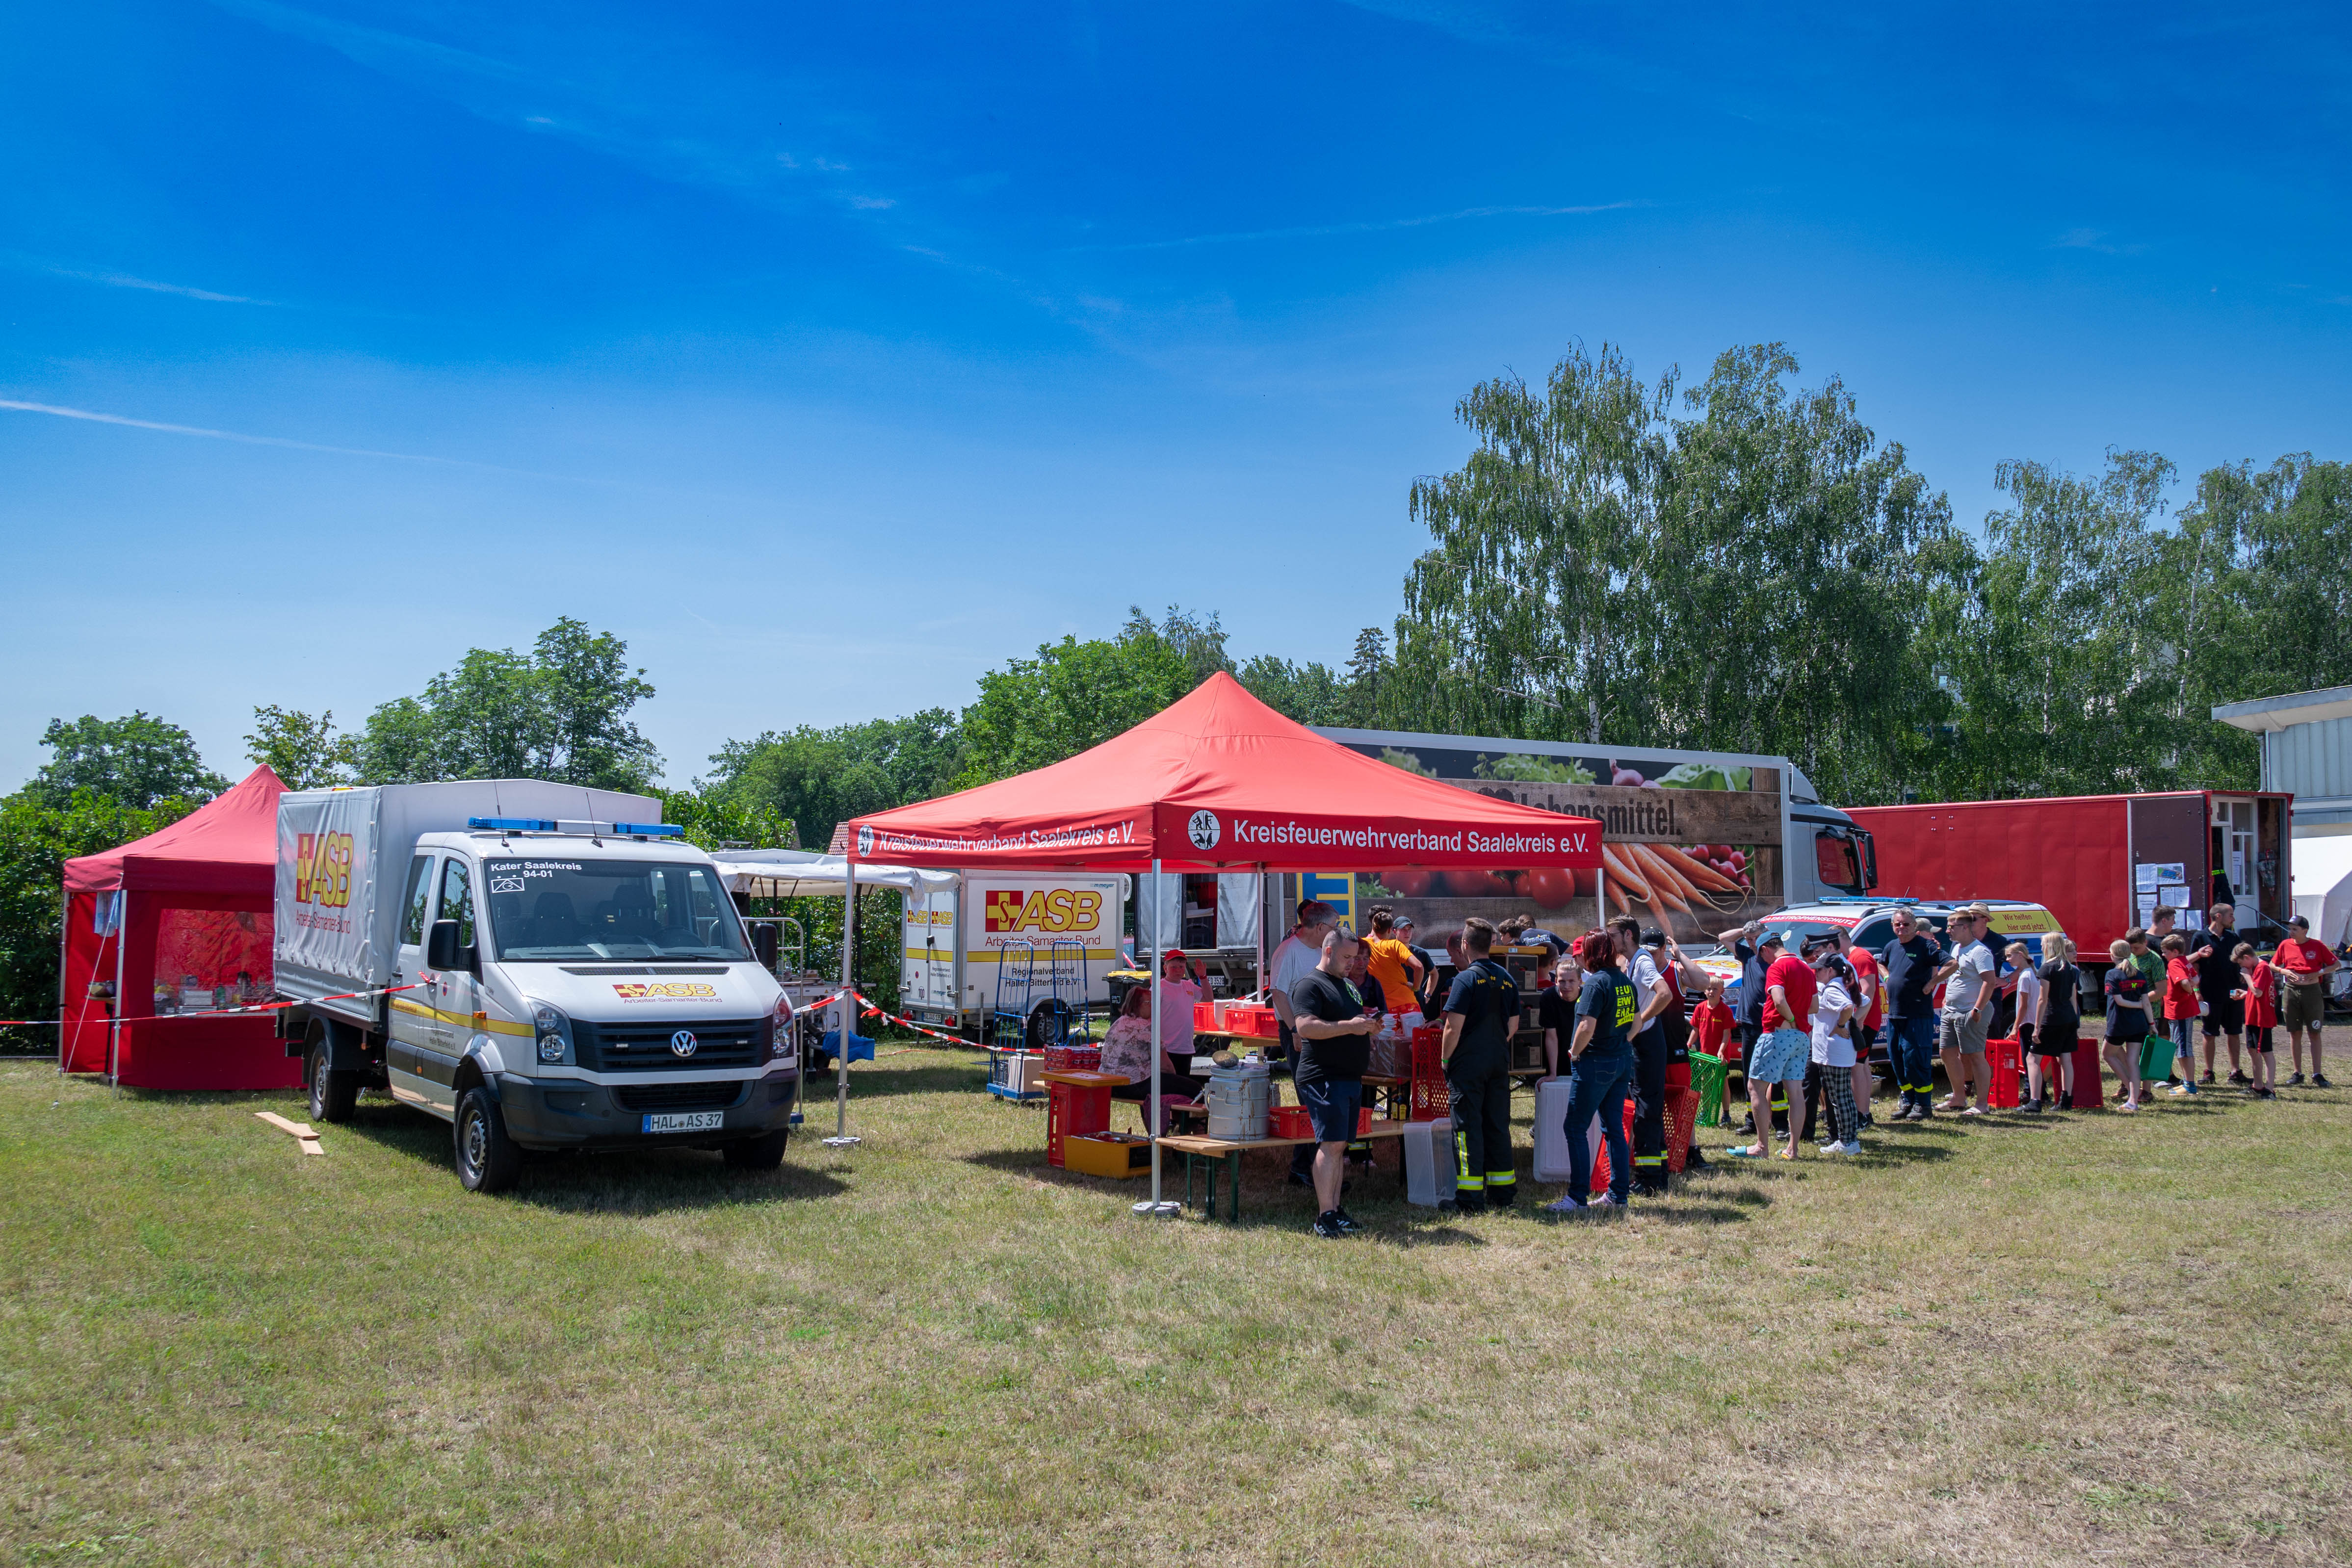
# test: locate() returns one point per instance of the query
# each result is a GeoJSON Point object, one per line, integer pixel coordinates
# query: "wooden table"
{"type": "Point", "coordinates": [1205, 1151]}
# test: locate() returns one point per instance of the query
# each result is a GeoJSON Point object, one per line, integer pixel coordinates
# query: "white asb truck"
{"type": "Point", "coordinates": [1009, 942]}
{"type": "Point", "coordinates": [540, 965]}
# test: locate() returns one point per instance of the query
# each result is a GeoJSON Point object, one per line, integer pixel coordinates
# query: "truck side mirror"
{"type": "Point", "coordinates": [441, 948]}
{"type": "Point", "coordinates": [1869, 861]}
{"type": "Point", "coordinates": [766, 944]}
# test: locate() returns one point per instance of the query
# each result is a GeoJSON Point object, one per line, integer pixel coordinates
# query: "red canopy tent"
{"type": "Point", "coordinates": [176, 923]}
{"type": "Point", "coordinates": [1218, 781]}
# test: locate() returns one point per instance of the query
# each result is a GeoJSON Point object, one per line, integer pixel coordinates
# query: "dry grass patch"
{"type": "Point", "coordinates": [2079, 1339]}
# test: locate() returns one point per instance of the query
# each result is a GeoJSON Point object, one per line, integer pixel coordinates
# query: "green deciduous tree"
{"type": "Point", "coordinates": [817, 778]}
{"type": "Point", "coordinates": [135, 761]}
{"type": "Point", "coordinates": [1074, 695]}
{"type": "Point", "coordinates": [1741, 579]}
{"type": "Point", "coordinates": [559, 712]}
{"type": "Point", "coordinates": [303, 751]}
{"type": "Point", "coordinates": [37, 839]}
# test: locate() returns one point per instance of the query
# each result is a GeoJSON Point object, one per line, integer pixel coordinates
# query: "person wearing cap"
{"type": "Point", "coordinates": [1755, 950]}
{"type": "Point", "coordinates": [1967, 979]}
{"type": "Point", "coordinates": [2304, 966]}
{"type": "Point", "coordinates": [1910, 962]}
{"type": "Point", "coordinates": [1831, 1075]}
{"type": "Point", "coordinates": [1653, 994]}
{"type": "Point", "coordinates": [1781, 1056]}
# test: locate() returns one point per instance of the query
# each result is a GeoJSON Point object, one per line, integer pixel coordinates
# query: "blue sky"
{"type": "Point", "coordinates": [832, 356]}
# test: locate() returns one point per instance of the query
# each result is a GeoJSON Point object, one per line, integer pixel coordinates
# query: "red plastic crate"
{"type": "Point", "coordinates": [1258, 1023]}
{"type": "Point", "coordinates": [1073, 1059]}
{"type": "Point", "coordinates": [2004, 1063]}
{"type": "Point", "coordinates": [1430, 1098]}
{"type": "Point", "coordinates": [1289, 1122]}
{"type": "Point", "coordinates": [1205, 1014]}
{"type": "Point", "coordinates": [1072, 1111]}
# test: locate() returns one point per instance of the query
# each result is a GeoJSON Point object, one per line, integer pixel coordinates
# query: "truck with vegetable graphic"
{"type": "Point", "coordinates": [1697, 842]}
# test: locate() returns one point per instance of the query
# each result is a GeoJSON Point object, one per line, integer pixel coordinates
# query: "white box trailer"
{"type": "Point", "coordinates": [966, 948]}
{"type": "Point", "coordinates": [541, 965]}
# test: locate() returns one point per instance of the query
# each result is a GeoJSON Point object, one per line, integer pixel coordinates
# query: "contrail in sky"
{"type": "Point", "coordinates": [96, 417]}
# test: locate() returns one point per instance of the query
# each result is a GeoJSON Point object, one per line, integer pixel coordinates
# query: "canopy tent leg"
{"type": "Point", "coordinates": [841, 1138]}
{"type": "Point", "coordinates": [1155, 1205]}
{"type": "Point", "coordinates": [114, 1031]}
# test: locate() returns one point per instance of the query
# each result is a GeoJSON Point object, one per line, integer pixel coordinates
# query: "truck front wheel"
{"type": "Point", "coordinates": [332, 1093]}
{"type": "Point", "coordinates": [763, 1153]}
{"type": "Point", "coordinates": [488, 1160]}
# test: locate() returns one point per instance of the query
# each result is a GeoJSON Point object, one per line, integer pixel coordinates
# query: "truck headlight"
{"type": "Point", "coordinates": [554, 1031]}
{"type": "Point", "coordinates": [780, 1030]}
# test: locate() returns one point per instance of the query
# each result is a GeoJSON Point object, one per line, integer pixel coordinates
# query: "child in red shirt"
{"type": "Point", "coordinates": [2182, 1008]}
{"type": "Point", "coordinates": [1711, 1030]}
{"type": "Point", "coordinates": [2260, 997]}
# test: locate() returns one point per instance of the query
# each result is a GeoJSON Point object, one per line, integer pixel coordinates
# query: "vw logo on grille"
{"type": "Point", "coordinates": [683, 1043]}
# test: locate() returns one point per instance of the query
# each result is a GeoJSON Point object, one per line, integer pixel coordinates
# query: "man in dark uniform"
{"type": "Point", "coordinates": [1481, 1011]}
{"type": "Point", "coordinates": [1654, 993]}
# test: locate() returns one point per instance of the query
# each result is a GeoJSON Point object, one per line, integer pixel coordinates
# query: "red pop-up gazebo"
{"type": "Point", "coordinates": [1218, 781]}
{"type": "Point", "coordinates": [177, 923]}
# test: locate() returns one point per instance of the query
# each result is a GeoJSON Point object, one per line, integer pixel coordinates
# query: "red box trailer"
{"type": "Point", "coordinates": [2099, 863]}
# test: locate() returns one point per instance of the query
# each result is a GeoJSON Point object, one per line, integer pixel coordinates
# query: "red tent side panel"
{"type": "Point", "coordinates": [82, 1024]}
{"type": "Point", "coordinates": [196, 1052]}
{"type": "Point", "coordinates": [1218, 780]}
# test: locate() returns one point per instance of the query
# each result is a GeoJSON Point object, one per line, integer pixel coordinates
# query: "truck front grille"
{"type": "Point", "coordinates": [678, 1096]}
{"type": "Point", "coordinates": [645, 1047]}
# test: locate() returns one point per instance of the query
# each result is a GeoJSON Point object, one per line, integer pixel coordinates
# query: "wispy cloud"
{"type": "Point", "coordinates": [2094, 239]}
{"type": "Point", "coordinates": [1372, 226]}
{"type": "Point", "coordinates": [95, 417]}
{"type": "Point", "coordinates": [125, 281]}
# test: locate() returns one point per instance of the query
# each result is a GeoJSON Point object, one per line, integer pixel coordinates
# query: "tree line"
{"type": "Point", "coordinates": [1740, 564]}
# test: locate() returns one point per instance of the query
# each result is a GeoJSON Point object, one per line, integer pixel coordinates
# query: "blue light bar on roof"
{"type": "Point", "coordinates": [509, 825]}
{"type": "Point", "coordinates": [648, 830]}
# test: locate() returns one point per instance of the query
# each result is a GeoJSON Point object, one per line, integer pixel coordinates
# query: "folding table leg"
{"type": "Point", "coordinates": [1233, 1179]}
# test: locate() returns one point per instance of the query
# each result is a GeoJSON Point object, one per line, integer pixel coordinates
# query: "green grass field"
{"type": "Point", "coordinates": [2077, 1338]}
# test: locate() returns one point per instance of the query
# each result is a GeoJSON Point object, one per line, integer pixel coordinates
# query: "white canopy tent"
{"type": "Point", "coordinates": [2323, 886]}
{"type": "Point", "coordinates": [805, 873]}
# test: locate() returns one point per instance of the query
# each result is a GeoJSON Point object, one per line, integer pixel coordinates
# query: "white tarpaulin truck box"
{"type": "Point", "coordinates": [343, 852]}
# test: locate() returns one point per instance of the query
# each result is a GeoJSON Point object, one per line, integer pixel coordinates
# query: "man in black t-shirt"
{"type": "Point", "coordinates": [1481, 1012]}
{"type": "Point", "coordinates": [2217, 977]}
{"type": "Point", "coordinates": [1334, 1045]}
{"type": "Point", "coordinates": [1910, 962]}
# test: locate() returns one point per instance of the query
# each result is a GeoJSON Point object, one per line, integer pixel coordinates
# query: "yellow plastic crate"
{"type": "Point", "coordinates": [1108, 1155]}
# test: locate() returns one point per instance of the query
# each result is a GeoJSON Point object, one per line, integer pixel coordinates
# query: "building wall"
{"type": "Point", "coordinates": [2314, 760]}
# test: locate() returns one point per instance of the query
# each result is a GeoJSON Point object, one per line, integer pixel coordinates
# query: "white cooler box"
{"type": "Point", "coordinates": [1429, 1161]}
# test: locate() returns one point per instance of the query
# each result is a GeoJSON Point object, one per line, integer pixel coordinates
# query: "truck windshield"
{"type": "Point", "coordinates": [545, 911]}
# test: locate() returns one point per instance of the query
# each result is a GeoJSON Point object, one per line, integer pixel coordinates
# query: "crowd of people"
{"type": "Point", "coordinates": [1800, 1027]}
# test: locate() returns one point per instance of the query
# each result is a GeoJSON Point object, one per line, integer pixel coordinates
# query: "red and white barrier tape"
{"type": "Point", "coordinates": [225, 1012]}
{"type": "Point", "coordinates": [869, 1009]}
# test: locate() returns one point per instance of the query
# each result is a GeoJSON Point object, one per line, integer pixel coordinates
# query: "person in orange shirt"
{"type": "Point", "coordinates": [2181, 1009]}
{"type": "Point", "coordinates": [1394, 964]}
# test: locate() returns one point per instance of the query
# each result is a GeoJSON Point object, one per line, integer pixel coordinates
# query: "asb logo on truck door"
{"type": "Point", "coordinates": [1012, 910]}
{"type": "Point", "coordinates": [322, 869]}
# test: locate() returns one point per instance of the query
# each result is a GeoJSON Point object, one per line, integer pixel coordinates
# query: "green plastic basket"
{"type": "Point", "coordinates": [1707, 1076]}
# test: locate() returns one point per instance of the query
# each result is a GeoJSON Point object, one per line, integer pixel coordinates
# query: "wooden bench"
{"type": "Point", "coordinates": [1205, 1152]}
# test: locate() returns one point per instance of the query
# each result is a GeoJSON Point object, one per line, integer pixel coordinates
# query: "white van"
{"type": "Point", "coordinates": [539, 965]}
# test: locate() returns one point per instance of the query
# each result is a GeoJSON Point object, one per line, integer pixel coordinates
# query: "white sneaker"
{"type": "Point", "coordinates": [1851, 1146]}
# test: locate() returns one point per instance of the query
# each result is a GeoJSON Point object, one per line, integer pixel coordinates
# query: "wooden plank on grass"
{"type": "Point", "coordinates": [301, 1130]}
